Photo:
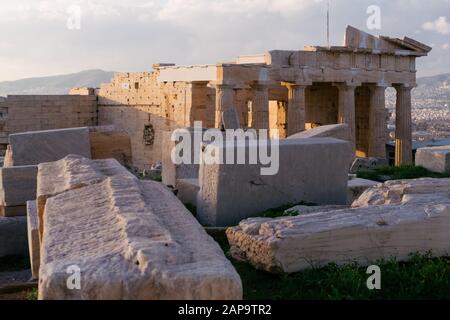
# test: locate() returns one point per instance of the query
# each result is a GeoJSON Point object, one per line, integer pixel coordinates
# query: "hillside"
{"type": "Point", "coordinates": [60, 84]}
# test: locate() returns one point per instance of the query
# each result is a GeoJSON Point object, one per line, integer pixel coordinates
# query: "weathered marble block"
{"type": "Point", "coordinates": [172, 172]}
{"type": "Point", "coordinates": [356, 188]}
{"type": "Point", "coordinates": [33, 148]}
{"type": "Point", "coordinates": [436, 159]}
{"type": "Point", "coordinates": [394, 219]}
{"type": "Point", "coordinates": [338, 131]}
{"type": "Point", "coordinates": [33, 238]}
{"type": "Point", "coordinates": [310, 170]}
{"type": "Point", "coordinates": [130, 239]}
{"type": "Point", "coordinates": [13, 236]}
{"type": "Point", "coordinates": [17, 186]}
{"type": "Point", "coordinates": [71, 172]}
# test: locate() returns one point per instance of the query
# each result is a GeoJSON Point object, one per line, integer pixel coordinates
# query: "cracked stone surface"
{"type": "Point", "coordinates": [130, 239]}
{"type": "Point", "coordinates": [393, 219]}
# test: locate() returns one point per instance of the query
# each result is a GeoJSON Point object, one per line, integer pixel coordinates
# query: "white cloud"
{"type": "Point", "coordinates": [439, 25]}
{"type": "Point", "coordinates": [182, 11]}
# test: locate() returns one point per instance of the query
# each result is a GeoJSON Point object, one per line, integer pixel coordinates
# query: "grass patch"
{"type": "Point", "coordinates": [14, 263]}
{"type": "Point", "coordinates": [385, 173]}
{"type": "Point", "coordinates": [422, 277]}
{"type": "Point", "coordinates": [284, 211]}
{"type": "Point", "coordinates": [32, 294]}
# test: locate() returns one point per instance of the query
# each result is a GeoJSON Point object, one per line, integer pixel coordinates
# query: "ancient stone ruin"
{"type": "Point", "coordinates": [73, 194]}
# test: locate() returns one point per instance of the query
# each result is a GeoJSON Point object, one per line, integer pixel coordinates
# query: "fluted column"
{"type": "Point", "coordinates": [260, 106]}
{"type": "Point", "coordinates": [377, 122]}
{"type": "Point", "coordinates": [346, 109]}
{"type": "Point", "coordinates": [403, 127]}
{"type": "Point", "coordinates": [296, 109]}
{"type": "Point", "coordinates": [224, 100]}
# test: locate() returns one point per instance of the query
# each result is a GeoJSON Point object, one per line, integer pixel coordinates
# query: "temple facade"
{"type": "Point", "coordinates": [296, 90]}
{"type": "Point", "coordinates": [290, 91]}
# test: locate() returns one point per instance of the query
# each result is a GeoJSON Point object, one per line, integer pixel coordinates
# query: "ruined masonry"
{"type": "Point", "coordinates": [286, 90]}
{"type": "Point", "coordinates": [132, 239]}
{"type": "Point", "coordinates": [393, 219]}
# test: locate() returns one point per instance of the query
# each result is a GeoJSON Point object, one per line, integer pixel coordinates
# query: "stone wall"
{"type": "Point", "coordinates": [138, 104]}
{"type": "Point", "coordinates": [21, 113]}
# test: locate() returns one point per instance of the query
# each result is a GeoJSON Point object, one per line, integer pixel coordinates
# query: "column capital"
{"type": "Point", "coordinates": [295, 84]}
{"type": "Point", "coordinates": [404, 86]}
{"type": "Point", "coordinates": [347, 85]}
{"type": "Point", "coordinates": [260, 85]}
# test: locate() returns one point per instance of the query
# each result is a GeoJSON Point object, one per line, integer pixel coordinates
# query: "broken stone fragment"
{"type": "Point", "coordinates": [33, 238]}
{"type": "Point", "coordinates": [393, 219]}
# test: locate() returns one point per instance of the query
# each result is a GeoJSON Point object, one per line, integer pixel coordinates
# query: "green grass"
{"type": "Point", "coordinates": [32, 294]}
{"type": "Point", "coordinates": [385, 173]}
{"type": "Point", "coordinates": [284, 211]}
{"type": "Point", "coordinates": [422, 277]}
{"type": "Point", "coordinates": [14, 263]}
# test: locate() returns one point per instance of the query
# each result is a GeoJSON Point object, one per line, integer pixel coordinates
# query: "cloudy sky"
{"type": "Point", "coordinates": [46, 37]}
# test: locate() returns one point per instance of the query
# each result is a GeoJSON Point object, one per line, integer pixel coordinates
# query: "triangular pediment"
{"type": "Point", "coordinates": [358, 39]}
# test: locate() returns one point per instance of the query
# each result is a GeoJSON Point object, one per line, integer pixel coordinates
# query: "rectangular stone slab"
{"type": "Point", "coordinates": [17, 185]}
{"type": "Point", "coordinates": [310, 170]}
{"type": "Point", "coordinates": [32, 148]}
{"type": "Point", "coordinates": [13, 236]}
{"type": "Point", "coordinates": [130, 240]}
{"type": "Point", "coordinates": [33, 238]}
{"type": "Point", "coordinates": [436, 159]}
{"type": "Point", "coordinates": [395, 219]}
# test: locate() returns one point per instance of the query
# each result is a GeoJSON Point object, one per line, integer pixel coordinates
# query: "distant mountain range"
{"type": "Point", "coordinates": [60, 84]}
{"type": "Point", "coordinates": [434, 88]}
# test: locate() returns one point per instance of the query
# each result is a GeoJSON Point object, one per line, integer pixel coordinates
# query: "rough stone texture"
{"type": "Point", "coordinates": [310, 170]}
{"type": "Point", "coordinates": [132, 240]}
{"type": "Point", "coordinates": [17, 185]}
{"type": "Point", "coordinates": [32, 148]}
{"type": "Point", "coordinates": [360, 164]}
{"type": "Point", "coordinates": [356, 188]}
{"type": "Point", "coordinates": [390, 220]}
{"type": "Point", "coordinates": [24, 113]}
{"type": "Point", "coordinates": [109, 143]}
{"type": "Point", "coordinates": [33, 238]}
{"type": "Point", "coordinates": [436, 159]}
{"type": "Point", "coordinates": [72, 172]}
{"type": "Point", "coordinates": [187, 191]}
{"type": "Point", "coordinates": [171, 172]}
{"type": "Point", "coordinates": [13, 236]}
{"type": "Point", "coordinates": [338, 131]}
{"type": "Point", "coordinates": [230, 119]}
{"type": "Point", "coordinates": [8, 161]}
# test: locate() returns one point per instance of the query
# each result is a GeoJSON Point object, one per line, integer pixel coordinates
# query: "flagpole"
{"type": "Point", "coordinates": [328, 23]}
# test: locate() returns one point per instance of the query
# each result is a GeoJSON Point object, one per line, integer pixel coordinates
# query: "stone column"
{"type": "Point", "coordinates": [403, 127]}
{"type": "Point", "coordinates": [296, 108]}
{"type": "Point", "coordinates": [346, 111]}
{"type": "Point", "coordinates": [260, 106]}
{"type": "Point", "coordinates": [377, 122]}
{"type": "Point", "coordinates": [224, 100]}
